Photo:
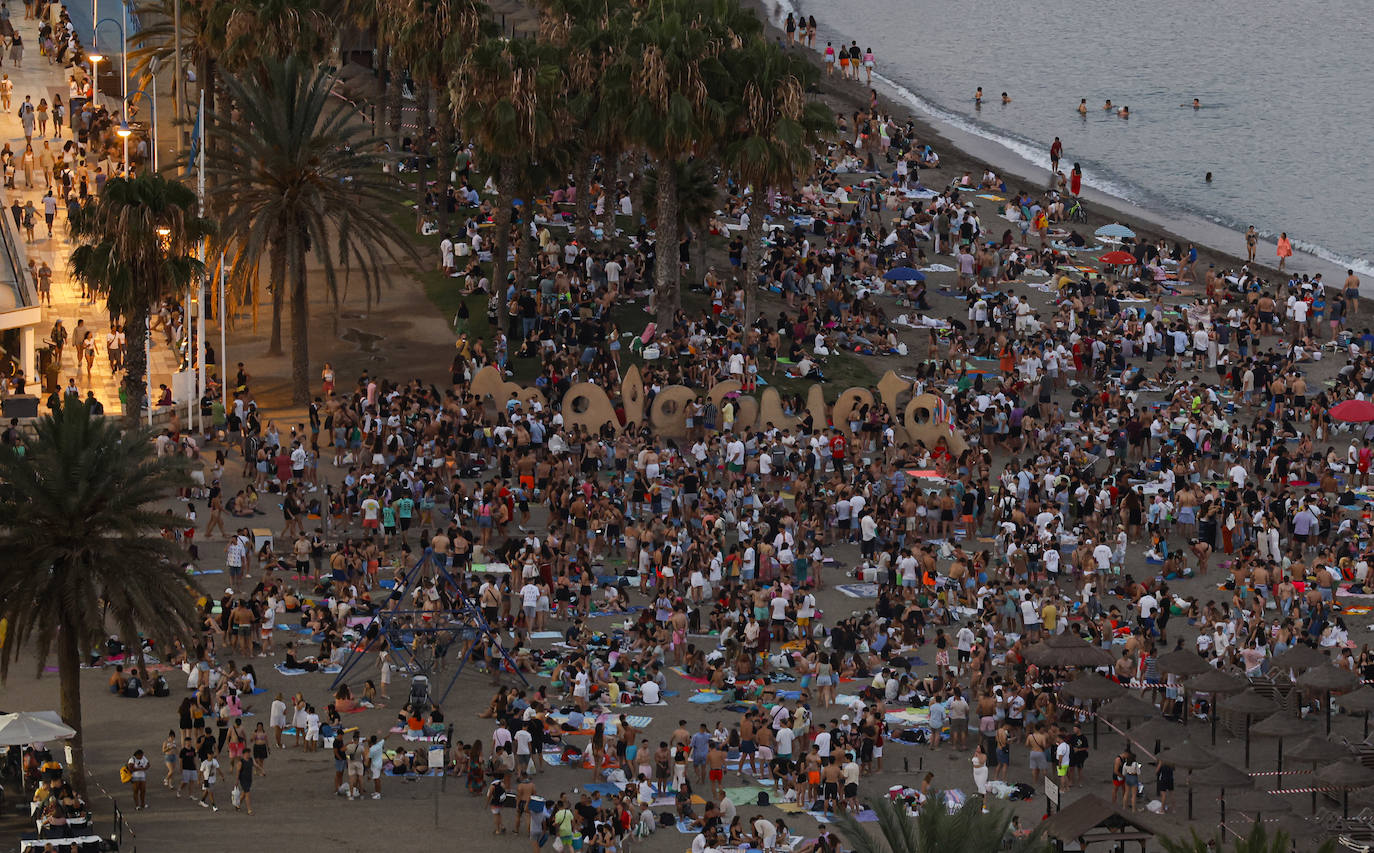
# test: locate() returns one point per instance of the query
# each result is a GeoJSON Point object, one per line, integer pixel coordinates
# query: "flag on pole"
{"type": "Point", "coordinates": [195, 142]}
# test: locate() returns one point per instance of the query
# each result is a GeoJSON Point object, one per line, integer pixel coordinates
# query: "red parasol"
{"type": "Point", "coordinates": [1353, 411]}
{"type": "Point", "coordinates": [1118, 258]}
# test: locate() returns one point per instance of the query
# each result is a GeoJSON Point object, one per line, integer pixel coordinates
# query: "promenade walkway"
{"type": "Point", "coordinates": [39, 77]}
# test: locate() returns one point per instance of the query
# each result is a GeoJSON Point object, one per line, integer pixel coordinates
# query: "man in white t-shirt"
{"type": "Point", "coordinates": [822, 742]}
{"type": "Point", "coordinates": [529, 599]}
{"type": "Point", "coordinates": [1102, 554]}
{"type": "Point", "coordinates": [778, 605]}
{"type": "Point", "coordinates": [649, 692]}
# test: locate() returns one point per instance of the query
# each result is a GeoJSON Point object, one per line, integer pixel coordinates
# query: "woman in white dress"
{"type": "Point", "coordinates": [980, 770]}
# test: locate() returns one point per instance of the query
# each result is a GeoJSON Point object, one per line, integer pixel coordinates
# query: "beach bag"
{"type": "Point", "coordinates": [762, 799]}
{"type": "Point", "coordinates": [125, 775]}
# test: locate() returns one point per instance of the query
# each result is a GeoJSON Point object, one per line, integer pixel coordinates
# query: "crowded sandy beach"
{"type": "Point", "coordinates": [910, 503]}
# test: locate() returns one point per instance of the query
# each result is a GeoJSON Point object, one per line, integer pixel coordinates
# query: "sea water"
{"type": "Point", "coordinates": [1286, 124]}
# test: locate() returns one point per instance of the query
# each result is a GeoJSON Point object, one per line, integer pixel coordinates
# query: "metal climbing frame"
{"type": "Point", "coordinates": [464, 621]}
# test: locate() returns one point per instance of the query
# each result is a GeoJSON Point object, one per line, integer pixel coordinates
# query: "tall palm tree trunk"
{"type": "Point", "coordinates": [383, 79]}
{"type": "Point", "coordinates": [582, 211]}
{"type": "Point", "coordinates": [277, 280]}
{"type": "Point", "coordinates": [300, 325]}
{"type": "Point", "coordinates": [395, 106]}
{"type": "Point", "coordinates": [500, 241]}
{"type": "Point", "coordinates": [753, 257]}
{"type": "Point", "coordinates": [422, 152]}
{"type": "Point", "coordinates": [445, 128]}
{"type": "Point", "coordinates": [699, 235]}
{"type": "Point", "coordinates": [135, 364]}
{"type": "Point", "coordinates": [69, 699]}
{"type": "Point", "coordinates": [667, 295]}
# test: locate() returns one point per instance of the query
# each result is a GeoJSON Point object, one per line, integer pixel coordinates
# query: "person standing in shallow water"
{"type": "Point", "coordinates": [1285, 250]}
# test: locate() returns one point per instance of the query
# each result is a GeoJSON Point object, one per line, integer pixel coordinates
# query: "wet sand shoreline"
{"type": "Point", "coordinates": [961, 151]}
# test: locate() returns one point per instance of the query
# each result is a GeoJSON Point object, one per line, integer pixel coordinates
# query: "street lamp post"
{"type": "Point", "coordinates": [124, 134]}
{"type": "Point", "coordinates": [95, 59]}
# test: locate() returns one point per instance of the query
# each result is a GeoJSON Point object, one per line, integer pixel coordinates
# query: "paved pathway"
{"type": "Point", "coordinates": [39, 78]}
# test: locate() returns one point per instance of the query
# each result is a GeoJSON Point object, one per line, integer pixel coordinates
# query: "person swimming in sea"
{"type": "Point", "coordinates": [1083, 107]}
{"type": "Point", "coordinates": [1124, 112]}
{"type": "Point", "coordinates": [978, 97]}
{"type": "Point", "coordinates": [1006, 99]}
{"type": "Point", "coordinates": [1107, 107]}
{"type": "Point", "coordinates": [1196, 104]}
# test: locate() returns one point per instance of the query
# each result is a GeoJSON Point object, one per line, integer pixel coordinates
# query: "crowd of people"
{"type": "Point", "coordinates": [1143, 448]}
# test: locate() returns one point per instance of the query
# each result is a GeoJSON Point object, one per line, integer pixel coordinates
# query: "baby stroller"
{"type": "Point", "coordinates": [419, 694]}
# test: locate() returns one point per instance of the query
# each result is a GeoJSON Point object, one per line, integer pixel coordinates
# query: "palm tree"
{"type": "Point", "coordinates": [300, 174]}
{"type": "Point", "coordinates": [136, 244]}
{"type": "Point", "coordinates": [697, 197]}
{"type": "Point", "coordinates": [82, 544]}
{"type": "Point", "coordinates": [934, 829]}
{"type": "Point", "coordinates": [508, 98]}
{"type": "Point", "coordinates": [1258, 841]}
{"type": "Point", "coordinates": [672, 78]}
{"type": "Point", "coordinates": [592, 32]}
{"type": "Point", "coordinates": [431, 37]}
{"type": "Point", "coordinates": [774, 135]}
{"type": "Point", "coordinates": [277, 29]}
{"type": "Point", "coordinates": [203, 36]}
{"type": "Point", "coordinates": [667, 77]}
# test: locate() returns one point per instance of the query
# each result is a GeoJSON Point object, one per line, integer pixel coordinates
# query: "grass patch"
{"type": "Point", "coordinates": [842, 370]}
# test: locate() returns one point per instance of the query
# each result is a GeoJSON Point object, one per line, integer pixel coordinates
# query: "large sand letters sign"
{"type": "Point", "coordinates": [922, 418]}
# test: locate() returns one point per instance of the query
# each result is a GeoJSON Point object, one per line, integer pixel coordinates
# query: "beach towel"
{"type": "Point", "coordinates": [747, 795]}
{"type": "Point", "coordinates": [859, 590]}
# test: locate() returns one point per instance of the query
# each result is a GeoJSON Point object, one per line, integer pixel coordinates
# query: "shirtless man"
{"type": "Point", "coordinates": [1351, 293]}
{"type": "Point", "coordinates": [524, 790]}
{"type": "Point", "coordinates": [830, 784]}
{"type": "Point", "coordinates": [1265, 304]}
{"type": "Point", "coordinates": [241, 626]}
{"type": "Point", "coordinates": [748, 747]}
{"type": "Point", "coordinates": [715, 770]}
{"type": "Point", "coordinates": [1035, 750]}
{"type": "Point", "coordinates": [947, 517]}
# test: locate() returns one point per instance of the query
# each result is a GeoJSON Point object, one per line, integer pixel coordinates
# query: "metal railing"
{"type": "Point", "coordinates": [17, 259]}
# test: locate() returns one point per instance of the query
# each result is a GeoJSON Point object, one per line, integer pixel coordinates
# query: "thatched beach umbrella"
{"type": "Point", "coordinates": [1221, 775]}
{"type": "Point", "coordinates": [1250, 704]}
{"type": "Point", "coordinates": [1345, 775]}
{"type": "Point", "coordinates": [1283, 726]}
{"type": "Point", "coordinates": [1188, 756]}
{"type": "Point", "coordinates": [1068, 650]}
{"type": "Point", "coordinates": [1318, 750]}
{"type": "Point", "coordinates": [1158, 731]}
{"type": "Point", "coordinates": [1093, 688]}
{"type": "Point", "coordinates": [1214, 683]}
{"type": "Point", "coordinates": [1181, 662]}
{"type": "Point", "coordinates": [1360, 701]}
{"type": "Point", "coordinates": [1328, 680]}
{"type": "Point", "coordinates": [1299, 658]}
{"type": "Point", "coordinates": [1259, 802]}
{"type": "Point", "coordinates": [1127, 708]}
